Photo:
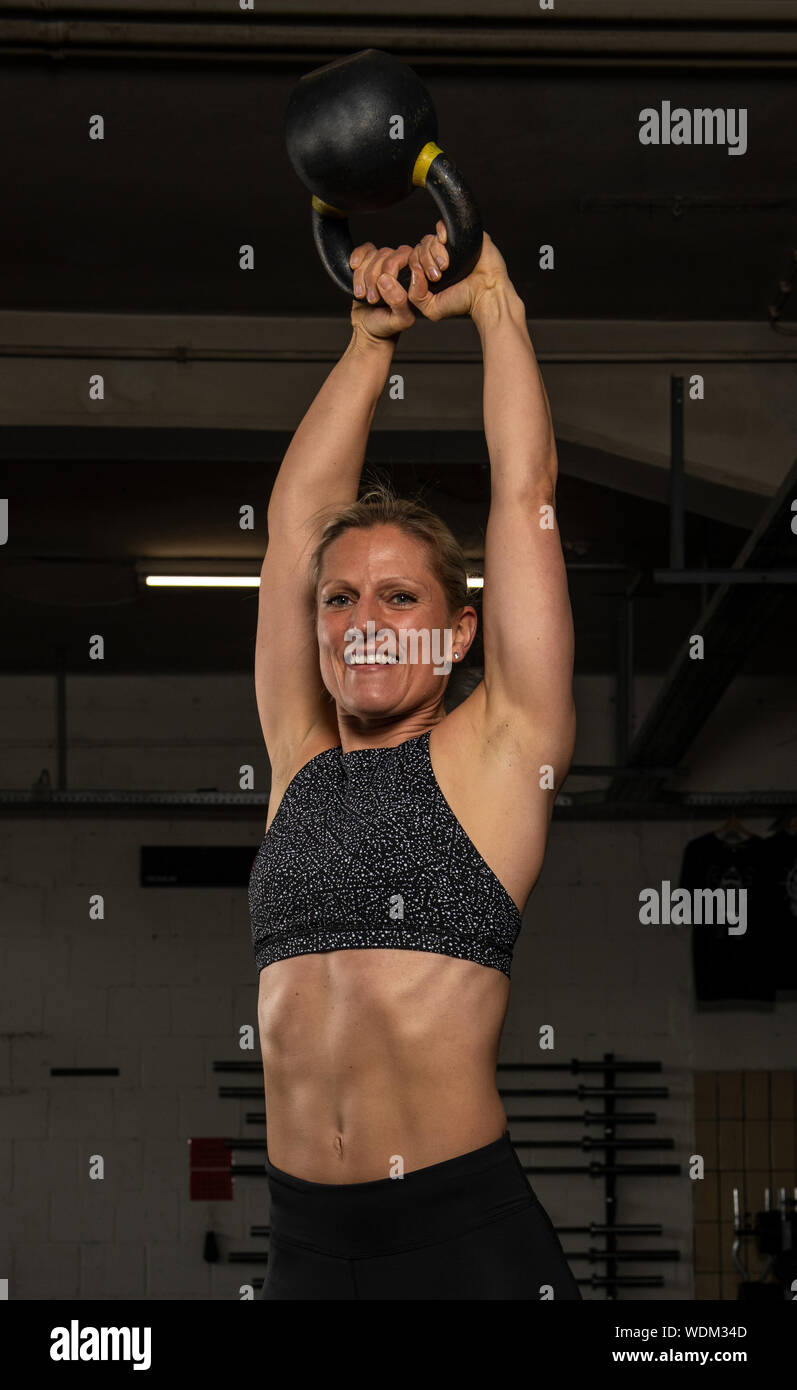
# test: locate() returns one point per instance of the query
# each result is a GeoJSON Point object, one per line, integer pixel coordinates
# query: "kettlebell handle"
{"type": "Point", "coordinates": [455, 204]}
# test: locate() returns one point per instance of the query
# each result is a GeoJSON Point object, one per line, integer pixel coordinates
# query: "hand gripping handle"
{"type": "Point", "coordinates": [455, 204]}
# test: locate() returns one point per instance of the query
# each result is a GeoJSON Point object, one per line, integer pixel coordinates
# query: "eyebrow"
{"type": "Point", "coordinates": [390, 579]}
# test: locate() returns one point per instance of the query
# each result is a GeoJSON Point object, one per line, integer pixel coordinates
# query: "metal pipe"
{"type": "Point", "coordinates": [624, 680]}
{"type": "Point", "coordinates": [321, 357]}
{"type": "Point", "coordinates": [725, 576]}
{"type": "Point", "coordinates": [217, 806]}
{"type": "Point", "coordinates": [479, 44]}
{"type": "Point", "coordinates": [677, 544]}
{"type": "Point", "coordinates": [60, 717]}
{"type": "Point", "coordinates": [607, 769]}
{"type": "Point", "coordinates": [612, 1170]}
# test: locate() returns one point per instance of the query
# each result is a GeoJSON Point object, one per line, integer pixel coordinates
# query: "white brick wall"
{"type": "Point", "coordinates": [161, 987]}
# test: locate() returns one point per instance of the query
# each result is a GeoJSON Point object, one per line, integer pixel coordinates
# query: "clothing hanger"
{"type": "Point", "coordinates": [732, 832]}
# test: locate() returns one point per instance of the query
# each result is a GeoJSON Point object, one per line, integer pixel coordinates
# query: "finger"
{"type": "Point", "coordinates": [396, 294]}
{"type": "Point", "coordinates": [390, 290]}
{"type": "Point", "coordinates": [358, 260]}
{"type": "Point", "coordinates": [398, 259]}
{"type": "Point", "coordinates": [436, 254]}
{"type": "Point", "coordinates": [440, 253]}
{"type": "Point", "coordinates": [437, 246]}
{"type": "Point", "coordinates": [428, 259]}
{"type": "Point", "coordinates": [358, 252]}
{"type": "Point", "coordinates": [369, 270]}
{"type": "Point", "coordinates": [419, 292]}
{"type": "Point", "coordinates": [373, 270]}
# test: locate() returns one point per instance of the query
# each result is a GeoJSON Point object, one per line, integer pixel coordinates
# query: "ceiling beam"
{"type": "Point", "coordinates": [564, 12]}
{"type": "Point", "coordinates": [238, 384]}
{"type": "Point", "coordinates": [716, 501]}
{"type": "Point", "coordinates": [673, 32]}
{"type": "Point", "coordinates": [319, 338]}
{"type": "Point", "coordinates": [450, 449]}
{"type": "Point", "coordinates": [729, 626]}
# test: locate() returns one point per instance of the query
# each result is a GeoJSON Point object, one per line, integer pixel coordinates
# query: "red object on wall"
{"type": "Point", "coordinates": [210, 1162]}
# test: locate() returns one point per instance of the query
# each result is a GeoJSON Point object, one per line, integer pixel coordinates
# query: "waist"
{"type": "Point", "coordinates": [364, 1130]}
{"type": "Point", "coordinates": [385, 1051]}
{"type": "Point", "coordinates": [427, 1205]}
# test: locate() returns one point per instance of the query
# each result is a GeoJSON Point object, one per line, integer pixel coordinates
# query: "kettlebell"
{"type": "Point", "coordinates": [349, 149]}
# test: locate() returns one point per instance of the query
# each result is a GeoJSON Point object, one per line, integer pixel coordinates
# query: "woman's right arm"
{"type": "Point", "coordinates": [320, 469]}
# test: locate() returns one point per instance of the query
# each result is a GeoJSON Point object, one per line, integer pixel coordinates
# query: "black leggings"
{"type": "Point", "coordinates": [465, 1229]}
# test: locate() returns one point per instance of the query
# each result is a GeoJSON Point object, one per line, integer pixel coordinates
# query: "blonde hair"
{"type": "Point", "coordinates": [380, 506]}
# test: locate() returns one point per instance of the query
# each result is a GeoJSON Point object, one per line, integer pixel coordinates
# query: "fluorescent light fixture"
{"type": "Point", "coordinates": [215, 574]}
{"type": "Point", "coordinates": [202, 581]}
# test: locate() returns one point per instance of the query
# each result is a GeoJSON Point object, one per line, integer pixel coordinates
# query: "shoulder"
{"type": "Point", "coordinates": [489, 730]}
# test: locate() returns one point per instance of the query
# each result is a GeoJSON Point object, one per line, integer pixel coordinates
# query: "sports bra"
{"type": "Point", "coordinates": [365, 852]}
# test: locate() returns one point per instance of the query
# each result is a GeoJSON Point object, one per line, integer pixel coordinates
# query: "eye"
{"type": "Point", "coordinates": [331, 601]}
{"type": "Point", "coordinates": [402, 594]}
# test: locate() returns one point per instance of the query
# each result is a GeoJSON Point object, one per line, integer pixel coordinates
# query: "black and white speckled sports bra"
{"type": "Point", "coordinates": [365, 852]}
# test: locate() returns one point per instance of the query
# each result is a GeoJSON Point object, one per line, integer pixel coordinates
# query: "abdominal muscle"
{"type": "Point", "coordinates": [378, 1062]}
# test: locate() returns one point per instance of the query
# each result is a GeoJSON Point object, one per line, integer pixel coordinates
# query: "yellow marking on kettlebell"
{"type": "Point", "coordinates": [326, 209]}
{"type": "Point", "coordinates": [425, 158]}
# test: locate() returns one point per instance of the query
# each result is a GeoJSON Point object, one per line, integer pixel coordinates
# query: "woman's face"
{"type": "Point", "coordinates": [376, 590]}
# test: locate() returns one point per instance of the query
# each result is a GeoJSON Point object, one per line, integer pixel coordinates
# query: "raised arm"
{"type": "Point", "coordinates": [528, 624]}
{"type": "Point", "coordinates": [321, 469]}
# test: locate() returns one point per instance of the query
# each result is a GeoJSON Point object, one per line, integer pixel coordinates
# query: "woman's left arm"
{"type": "Point", "coordinates": [528, 624]}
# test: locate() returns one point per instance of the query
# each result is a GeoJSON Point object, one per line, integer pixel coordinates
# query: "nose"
{"type": "Point", "coordinates": [368, 623]}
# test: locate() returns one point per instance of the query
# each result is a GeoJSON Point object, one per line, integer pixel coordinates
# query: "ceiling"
{"type": "Point", "coordinates": [193, 165]}
{"type": "Point", "coordinates": [73, 569]}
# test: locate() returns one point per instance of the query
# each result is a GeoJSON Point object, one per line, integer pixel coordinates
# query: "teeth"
{"type": "Point", "coordinates": [382, 660]}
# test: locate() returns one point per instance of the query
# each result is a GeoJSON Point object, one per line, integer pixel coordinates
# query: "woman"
{"type": "Point", "coordinates": [402, 842]}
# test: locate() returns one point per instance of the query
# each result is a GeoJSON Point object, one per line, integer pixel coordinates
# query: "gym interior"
{"type": "Point", "coordinates": [153, 374]}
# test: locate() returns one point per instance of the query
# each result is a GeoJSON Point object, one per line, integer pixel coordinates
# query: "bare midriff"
{"type": "Point", "coordinates": [378, 1058]}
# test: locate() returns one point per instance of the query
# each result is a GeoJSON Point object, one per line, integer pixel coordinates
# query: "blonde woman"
{"type": "Point", "coordinates": [402, 841]}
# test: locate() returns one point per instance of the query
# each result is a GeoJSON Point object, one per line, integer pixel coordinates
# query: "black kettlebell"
{"type": "Point", "coordinates": [361, 133]}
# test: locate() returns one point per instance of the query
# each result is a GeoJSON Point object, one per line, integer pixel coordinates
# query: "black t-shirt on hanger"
{"type": "Point", "coordinates": [726, 966]}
